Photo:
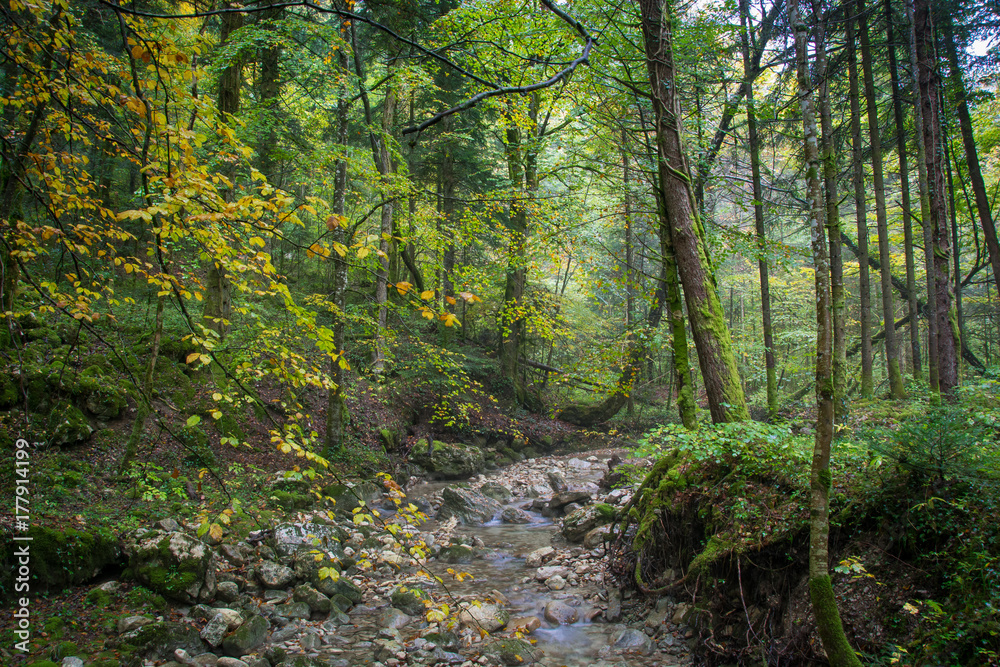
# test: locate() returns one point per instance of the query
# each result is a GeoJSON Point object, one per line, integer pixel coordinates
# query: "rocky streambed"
{"type": "Point", "coordinates": [507, 569]}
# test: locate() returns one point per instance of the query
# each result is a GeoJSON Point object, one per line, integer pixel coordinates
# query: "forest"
{"type": "Point", "coordinates": [303, 301]}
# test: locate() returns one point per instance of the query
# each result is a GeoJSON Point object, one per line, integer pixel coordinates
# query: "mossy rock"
{"type": "Point", "coordinates": [64, 650]}
{"type": "Point", "coordinates": [510, 651]}
{"type": "Point", "coordinates": [158, 641]}
{"type": "Point", "coordinates": [174, 564]}
{"type": "Point", "coordinates": [456, 553]}
{"type": "Point", "coordinates": [67, 425]}
{"type": "Point", "coordinates": [291, 501]}
{"type": "Point", "coordinates": [447, 460]}
{"type": "Point", "coordinates": [43, 663]}
{"type": "Point", "coordinates": [55, 626]}
{"type": "Point", "coordinates": [99, 598]}
{"type": "Point", "coordinates": [171, 381]}
{"type": "Point", "coordinates": [408, 600]}
{"type": "Point", "coordinates": [63, 558]}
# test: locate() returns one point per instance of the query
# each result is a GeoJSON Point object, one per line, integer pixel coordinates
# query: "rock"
{"type": "Point", "coordinates": [394, 618]}
{"type": "Point", "coordinates": [595, 537]}
{"type": "Point", "coordinates": [247, 637]}
{"type": "Point", "coordinates": [274, 575]}
{"type": "Point", "coordinates": [614, 611]}
{"type": "Point", "coordinates": [67, 425]}
{"type": "Point", "coordinates": [496, 491]}
{"type": "Point", "coordinates": [294, 610]}
{"type": "Point", "coordinates": [515, 515]}
{"type": "Point", "coordinates": [510, 651]}
{"type": "Point", "coordinates": [231, 662]}
{"type": "Point", "coordinates": [215, 630]}
{"type": "Point", "coordinates": [557, 481]}
{"type": "Point", "coordinates": [467, 506]}
{"type": "Point", "coordinates": [487, 616]}
{"type": "Point", "coordinates": [310, 642]}
{"type": "Point", "coordinates": [174, 564]}
{"type": "Point", "coordinates": [539, 557]}
{"type": "Point", "coordinates": [130, 623]}
{"type": "Point", "coordinates": [227, 591]}
{"type": "Point", "coordinates": [72, 661]}
{"type": "Point", "coordinates": [549, 571]}
{"type": "Point", "coordinates": [555, 583]}
{"type": "Point", "coordinates": [255, 661]}
{"type": "Point", "coordinates": [290, 538]}
{"type": "Point", "coordinates": [572, 507]}
{"type": "Point", "coordinates": [69, 557]}
{"type": "Point", "coordinates": [206, 660]}
{"type": "Point", "coordinates": [578, 464]}
{"type": "Point", "coordinates": [158, 641]}
{"type": "Point", "coordinates": [456, 553]}
{"type": "Point", "coordinates": [408, 600]}
{"type": "Point", "coordinates": [560, 500]}
{"type": "Point", "coordinates": [576, 526]}
{"type": "Point", "coordinates": [537, 491]}
{"type": "Point", "coordinates": [560, 613]}
{"type": "Point", "coordinates": [168, 525]}
{"type": "Point", "coordinates": [387, 649]}
{"type": "Point", "coordinates": [524, 624]}
{"type": "Point", "coordinates": [233, 554]}
{"type": "Point", "coordinates": [444, 460]}
{"type": "Point", "coordinates": [681, 613]}
{"type": "Point", "coordinates": [633, 640]}
{"type": "Point", "coordinates": [318, 602]}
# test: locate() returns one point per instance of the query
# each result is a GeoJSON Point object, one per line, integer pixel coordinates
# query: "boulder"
{"type": "Point", "coordinates": [176, 565]}
{"type": "Point", "coordinates": [555, 583]}
{"type": "Point", "coordinates": [289, 538]}
{"type": "Point", "coordinates": [496, 491]}
{"type": "Point", "coordinates": [394, 618]}
{"type": "Point", "coordinates": [510, 651]}
{"type": "Point", "coordinates": [560, 613]}
{"type": "Point", "coordinates": [317, 602]}
{"type": "Point", "coordinates": [557, 481]}
{"type": "Point", "coordinates": [61, 558]}
{"type": "Point", "coordinates": [275, 575]}
{"type": "Point", "coordinates": [247, 637]}
{"type": "Point", "coordinates": [539, 557]}
{"type": "Point", "coordinates": [560, 500]}
{"type": "Point", "coordinates": [596, 537]}
{"type": "Point", "coordinates": [442, 460]}
{"type": "Point", "coordinates": [515, 515]}
{"type": "Point", "coordinates": [130, 623]}
{"type": "Point", "coordinates": [408, 600]}
{"type": "Point", "coordinates": [634, 641]}
{"type": "Point", "coordinates": [158, 641]}
{"type": "Point", "coordinates": [67, 425]}
{"type": "Point", "coordinates": [488, 616]}
{"type": "Point", "coordinates": [524, 624]}
{"type": "Point", "coordinates": [467, 506]}
{"type": "Point", "coordinates": [576, 525]}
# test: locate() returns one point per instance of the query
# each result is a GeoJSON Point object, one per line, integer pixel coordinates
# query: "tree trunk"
{"type": "Point", "coordinates": [904, 185]}
{"type": "Point", "coordinates": [888, 312]}
{"type": "Point", "coordinates": [960, 100]}
{"type": "Point", "coordinates": [943, 311]}
{"type": "Point", "coordinates": [830, 174]}
{"type": "Point", "coordinates": [758, 214]}
{"type": "Point", "coordinates": [824, 604]}
{"type": "Point", "coordinates": [521, 160]}
{"type": "Point", "coordinates": [715, 355]}
{"type": "Point", "coordinates": [861, 217]}
{"type": "Point", "coordinates": [336, 406]}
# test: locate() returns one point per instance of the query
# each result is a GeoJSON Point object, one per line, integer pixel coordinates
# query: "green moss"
{"type": "Point", "coordinates": [10, 391]}
{"type": "Point", "coordinates": [99, 598]}
{"type": "Point", "coordinates": [606, 512]}
{"type": "Point", "coordinates": [42, 663]}
{"type": "Point", "coordinates": [55, 626]}
{"type": "Point", "coordinates": [64, 650]}
{"type": "Point", "coordinates": [140, 596]}
{"type": "Point", "coordinates": [291, 501]}
{"type": "Point", "coordinates": [70, 557]}
{"type": "Point", "coordinates": [713, 551]}
{"type": "Point", "coordinates": [831, 630]}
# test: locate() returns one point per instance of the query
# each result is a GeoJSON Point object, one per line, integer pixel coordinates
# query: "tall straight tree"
{"type": "Point", "coordinates": [937, 224]}
{"type": "Point", "coordinates": [878, 184]}
{"type": "Point", "coordinates": [708, 325]}
{"type": "Point", "coordinates": [824, 603]}
{"type": "Point", "coordinates": [860, 212]}
{"type": "Point", "coordinates": [904, 193]}
{"type": "Point", "coordinates": [831, 173]}
{"type": "Point", "coordinates": [758, 212]}
{"type": "Point", "coordinates": [961, 103]}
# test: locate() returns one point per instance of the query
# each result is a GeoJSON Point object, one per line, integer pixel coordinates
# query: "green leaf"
{"type": "Point", "coordinates": [194, 420]}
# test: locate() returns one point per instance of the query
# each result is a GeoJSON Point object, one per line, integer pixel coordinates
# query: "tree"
{"type": "Point", "coordinates": [824, 604]}
{"type": "Point", "coordinates": [708, 326]}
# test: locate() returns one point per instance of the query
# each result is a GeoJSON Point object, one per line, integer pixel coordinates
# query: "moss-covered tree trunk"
{"type": "Point", "coordinates": [758, 214]}
{"type": "Point", "coordinates": [831, 173]}
{"type": "Point", "coordinates": [878, 184]}
{"type": "Point", "coordinates": [824, 604]}
{"type": "Point", "coordinates": [708, 325]}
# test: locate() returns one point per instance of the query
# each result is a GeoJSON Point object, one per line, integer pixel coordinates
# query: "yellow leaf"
{"type": "Point", "coordinates": [451, 300]}
{"type": "Point", "coordinates": [363, 252]}
{"type": "Point", "coordinates": [427, 295]}
{"type": "Point", "coordinates": [190, 359]}
{"type": "Point", "coordinates": [215, 531]}
{"type": "Point", "coordinates": [403, 287]}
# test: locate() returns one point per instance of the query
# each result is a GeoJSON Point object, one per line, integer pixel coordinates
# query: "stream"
{"type": "Point", "coordinates": [500, 570]}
